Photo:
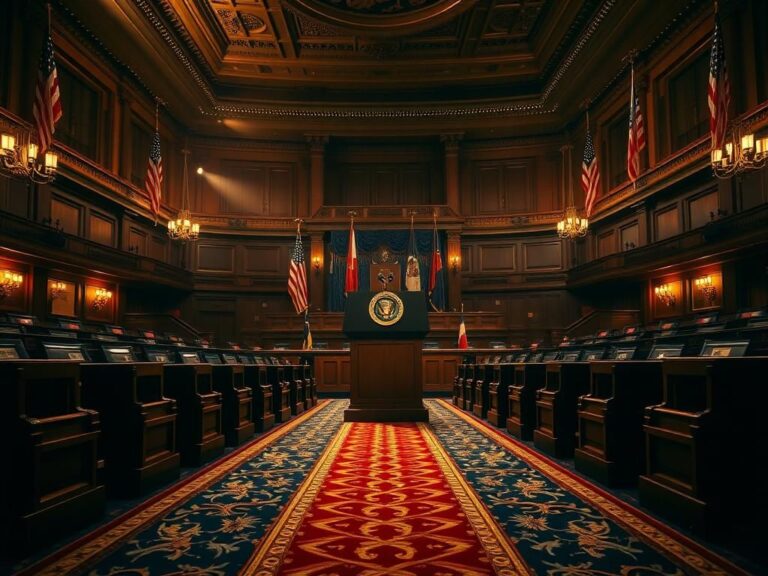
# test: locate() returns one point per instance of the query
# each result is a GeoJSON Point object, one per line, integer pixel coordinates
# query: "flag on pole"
{"type": "Point", "coordinates": [636, 139]}
{"type": "Point", "coordinates": [307, 343]}
{"type": "Point", "coordinates": [436, 285]}
{"type": "Point", "coordinates": [590, 173]}
{"type": "Point", "coordinates": [47, 106]}
{"type": "Point", "coordinates": [153, 183]}
{"type": "Point", "coordinates": [350, 281]}
{"type": "Point", "coordinates": [297, 276]}
{"type": "Point", "coordinates": [412, 272]}
{"type": "Point", "coordinates": [719, 92]}
{"type": "Point", "coordinates": [462, 342]}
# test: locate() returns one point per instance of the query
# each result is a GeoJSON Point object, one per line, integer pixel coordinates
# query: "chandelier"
{"type": "Point", "coordinates": [20, 160]}
{"type": "Point", "coordinates": [571, 226]}
{"type": "Point", "coordinates": [741, 153]}
{"type": "Point", "coordinates": [183, 228]}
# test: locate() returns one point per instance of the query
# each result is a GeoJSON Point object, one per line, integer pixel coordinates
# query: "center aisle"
{"type": "Point", "coordinates": [318, 497]}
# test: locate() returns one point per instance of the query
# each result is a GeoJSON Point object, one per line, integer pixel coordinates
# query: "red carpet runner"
{"type": "Point", "coordinates": [384, 499]}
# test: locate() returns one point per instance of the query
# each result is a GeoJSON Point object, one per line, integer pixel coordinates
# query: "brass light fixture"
{"type": "Point", "coordinates": [183, 228]}
{"type": "Point", "coordinates": [19, 160]}
{"type": "Point", "coordinates": [742, 152]}
{"type": "Point", "coordinates": [707, 288]}
{"type": "Point", "coordinates": [58, 289]}
{"type": "Point", "coordinates": [665, 295]}
{"type": "Point", "coordinates": [571, 226]}
{"type": "Point", "coordinates": [10, 281]}
{"type": "Point", "coordinates": [101, 298]}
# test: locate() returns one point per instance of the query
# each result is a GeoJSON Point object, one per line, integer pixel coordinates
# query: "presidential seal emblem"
{"type": "Point", "coordinates": [385, 308]}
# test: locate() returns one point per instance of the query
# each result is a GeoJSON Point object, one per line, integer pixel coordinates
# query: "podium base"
{"type": "Point", "coordinates": [386, 415]}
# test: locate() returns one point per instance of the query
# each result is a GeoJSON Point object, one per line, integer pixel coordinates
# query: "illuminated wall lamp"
{"type": "Point", "coordinates": [665, 295]}
{"type": "Point", "coordinates": [101, 298]}
{"type": "Point", "coordinates": [707, 289]}
{"type": "Point", "coordinates": [58, 290]}
{"type": "Point", "coordinates": [316, 263]}
{"type": "Point", "coordinates": [9, 283]}
{"type": "Point", "coordinates": [455, 263]}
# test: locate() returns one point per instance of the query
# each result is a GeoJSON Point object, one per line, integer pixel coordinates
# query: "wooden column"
{"type": "Point", "coordinates": [316, 275]}
{"type": "Point", "coordinates": [451, 144]}
{"type": "Point", "coordinates": [454, 273]}
{"type": "Point", "coordinates": [316, 171]}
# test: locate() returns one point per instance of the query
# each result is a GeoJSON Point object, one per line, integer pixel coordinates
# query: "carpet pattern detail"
{"type": "Point", "coordinates": [207, 526]}
{"type": "Point", "coordinates": [561, 524]}
{"type": "Point", "coordinates": [386, 501]}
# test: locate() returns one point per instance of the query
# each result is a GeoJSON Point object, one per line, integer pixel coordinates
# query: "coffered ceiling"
{"type": "Point", "coordinates": [285, 67]}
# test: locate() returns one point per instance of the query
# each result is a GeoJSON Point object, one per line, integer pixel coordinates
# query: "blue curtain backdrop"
{"type": "Point", "coordinates": [368, 242]}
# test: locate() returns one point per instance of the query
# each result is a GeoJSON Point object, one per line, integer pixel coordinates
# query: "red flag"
{"type": "Point", "coordinates": [297, 277]}
{"type": "Point", "coordinates": [590, 174]}
{"type": "Point", "coordinates": [350, 281]}
{"type": "Point", "coordinates": [47, 106]}
{"type": "Point", "coordinates": [153, 183]}
{"type": "Point", "coordinates": [636, 139]}
{"type": "Point", "coordinates": [719, 93]}
{"type": "Point", "coordinates": [463, 334]}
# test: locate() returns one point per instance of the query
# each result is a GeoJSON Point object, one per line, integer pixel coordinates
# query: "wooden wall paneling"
{"type": "Point", "coordinates": [751, 189]}
{"type": "Point", "coordinates": [518, 186]}
{"type": "Point", "coordinates": [215, 258]}
{"type": "Point", "coordinates": [139, 239]}
{"type": "Point", "coordinates": [666, 222]}
{"type": "Point", "coordinates": [629, 236]}
{"type": "Point", "coordinates": [438, 371]}
{"type": "Point", "coordinates": [606, 243]}
{"type": "Point", "coordinates": [498, 258]}
{"type": "Point", "coordinates": [384, 186]}
{"type": "Point", "coordinates": [265, 259]}
{"type": "Point", "coordinates": [333, 373]}
{"type": "Point", "coordinates": [15, 197]}
{"type": "Point", "coordinates": [415, 187]}
{"type": "Point", "coordinates": [220, 325]}
{"type": "Point", "coordinates": [355, 186]}
{"type": "Point", "coordinates": [702, 208]}
{"type": "Point", "coordinates": [281, 191]}
{"type": "Point", "coordinates": [68, 213]}
{"type": "Point", "coordinates": [101, 228]}
{"type": "Point", "coordinates": [158, 248]}
{"type": "Point", "coordinates": [488, 190]}
{"type": "Point", "coordinates": [547, 195]}
{"type": "Point", "coordinates": [544, 255]}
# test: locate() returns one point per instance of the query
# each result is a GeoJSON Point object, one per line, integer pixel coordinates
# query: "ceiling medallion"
{"type": "Point", "coordinates": [371, 17]}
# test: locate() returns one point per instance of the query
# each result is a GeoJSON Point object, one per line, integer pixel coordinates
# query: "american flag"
{"type": "Point", "coordinates": [154, 180]}
{"type": "Point", "coordinates": [297, 277]}
{"type": "Point", "coordinates": [636, 140]}
{"type": "Point", "coordinates": [719, 93]}
{"type": "Point", "coordinates": [590, 174]}
{"type": "Point", "coordinates": [47, 106]}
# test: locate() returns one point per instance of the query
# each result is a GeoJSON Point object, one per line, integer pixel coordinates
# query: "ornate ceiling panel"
{"type": "Point", "coordinates": [313, 63]}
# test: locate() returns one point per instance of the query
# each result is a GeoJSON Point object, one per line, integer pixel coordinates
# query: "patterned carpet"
{"type": "Point", "coordinates": [320, 497]}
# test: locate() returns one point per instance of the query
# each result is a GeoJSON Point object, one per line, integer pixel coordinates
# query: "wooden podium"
{"type": "Point", "coordinates": [386, 382]}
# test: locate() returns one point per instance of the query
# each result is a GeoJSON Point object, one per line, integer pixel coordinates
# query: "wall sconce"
{"type": "Point", "coordinates": [58, 289]}
{"type": "Point", "coordinates": [20, 160]}
{"type": "Point", "coordinates": [101, 298]}
{"type": "Point", "coordinates": [664, 295]}
{"type": "Point", "coordinates": [455, 261]}
{"type": "Point", "coordinates": [9, 283]}
{"type": "Point", "coordinates": [705, 286]}
{"type": "Point", "coordinates": [316, 263]}
{"type": "Point", "coordinates": [743, 151]}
